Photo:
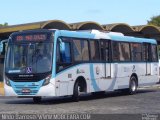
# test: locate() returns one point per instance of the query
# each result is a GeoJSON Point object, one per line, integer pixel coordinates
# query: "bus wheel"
{"type": "Point", "coordinates": [76, 92]}
{"type": "Point", "coordinates": [133, 85]}
{"type": "Point", "coordinates": [37, 99]}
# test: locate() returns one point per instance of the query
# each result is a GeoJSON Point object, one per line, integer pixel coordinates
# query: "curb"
{"type": "Point", "coordinates": [157, 86]}
{"type": "Point", "coordinates": [1, 89]}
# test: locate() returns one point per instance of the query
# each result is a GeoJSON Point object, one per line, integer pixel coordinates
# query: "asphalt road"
{"type": "Point", "coordinates": [145, 101]}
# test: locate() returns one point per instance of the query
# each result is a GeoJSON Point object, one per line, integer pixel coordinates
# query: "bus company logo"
{"type": "Point", "coordinates": [80, 71]}
{"type": "Point", "coordinates": [25, 75]}
{"type": "Point", "coordinates": [134, 69]}
{"type": "Point", "coordinates": [29, 70]}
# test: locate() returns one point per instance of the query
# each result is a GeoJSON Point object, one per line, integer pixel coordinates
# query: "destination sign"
{"type": "Point", "coordinates": [29, 37]}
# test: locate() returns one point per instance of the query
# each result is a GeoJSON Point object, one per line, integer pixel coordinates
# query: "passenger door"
{"type": "Point", "coordinates": [105, 81]}
{"type": "Point", "coordinates": [154, 60]}
{"type": "Point", "coordinates": [105, 55]}
{"type": "Point", "coordinates": [64, 60]}
{"type": "Point", "coordinates": [147, 57]}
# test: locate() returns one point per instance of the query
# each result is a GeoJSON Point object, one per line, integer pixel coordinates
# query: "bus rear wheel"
{"type": "Point", "coordinates": [133, 85]}
{"type": "Point", "coordinates": [37, 99]}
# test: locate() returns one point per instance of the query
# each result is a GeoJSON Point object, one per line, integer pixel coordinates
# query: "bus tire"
{"type": "Point", "coordinates": [133, 85]}
{"type": "Point", "coordinates": [37, 99]}
{"type": "Point", "coordinates": [76, 92]}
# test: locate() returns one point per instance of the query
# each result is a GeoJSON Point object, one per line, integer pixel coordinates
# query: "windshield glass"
{"type": "Point", "coordinates": [28, 58]}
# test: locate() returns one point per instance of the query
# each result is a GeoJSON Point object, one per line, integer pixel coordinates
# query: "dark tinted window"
{"type": "Point", "coordinates": [64, 52]}
{"type": "Point", "coordinates": [136, 50]}
{"type": "Point", "coordinates": [115, 51]}
{"type": "Point", "coordinates": [105, 50]}
{"type": "Point", "coordinates": [80, 48]}
{"type": "Point", "coordinates": [63, 55]}
{"type": "Point", "coordinates": [124, 52]}
{"type": "Point", "coordinates": [154, 53]}
{"type": "Point", "coordinates": [145, 52]}
{"type": "Point", "coordinates": [94, 49]}
{"type": "Point", "coordinates": [121, 51]}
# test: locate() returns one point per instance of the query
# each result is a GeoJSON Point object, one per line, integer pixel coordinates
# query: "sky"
{"type": "Point", "coordinates": [132, 12]}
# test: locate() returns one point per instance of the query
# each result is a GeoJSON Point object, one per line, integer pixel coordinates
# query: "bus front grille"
{"type": "Point", "coordinates": [26, 88]}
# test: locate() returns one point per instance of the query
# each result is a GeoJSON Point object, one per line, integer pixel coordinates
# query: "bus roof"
{"type": "Point", "coordinates": [132, 39]}
{"type": "Point", "coordinates": [79, 34]}
{"type": "Point", "coordinates": [96, 34]}
{"type": "Point", "coordinates": [114, 36]}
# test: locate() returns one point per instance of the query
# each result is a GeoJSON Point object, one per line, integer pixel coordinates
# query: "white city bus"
{"type": "Point", "coordinates": [42, 63]}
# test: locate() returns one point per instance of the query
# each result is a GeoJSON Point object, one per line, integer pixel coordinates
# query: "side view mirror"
{"type": "Point", "coordinates": [2, 45]}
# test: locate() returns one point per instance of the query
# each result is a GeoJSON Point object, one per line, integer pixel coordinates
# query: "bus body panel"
{"type": "Point", "coordinates": [119, 80]}
{"type": "Point", "coordinates": [65, 80]}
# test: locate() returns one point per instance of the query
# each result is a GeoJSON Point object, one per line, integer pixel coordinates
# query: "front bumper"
{"type": "Point", "coordinates": [16, 89]}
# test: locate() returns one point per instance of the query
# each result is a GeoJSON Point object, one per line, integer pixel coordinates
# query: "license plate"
{"type": "Point", "coordinates": [26, 90]}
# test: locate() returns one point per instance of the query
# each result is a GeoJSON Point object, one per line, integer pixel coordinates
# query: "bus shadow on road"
{"type": "Point", "coordinates": [113, 94]}
{"type": "Point", "coordinates": [68, 99]}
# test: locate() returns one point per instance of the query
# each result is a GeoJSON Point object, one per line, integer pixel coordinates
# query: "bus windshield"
{"type": "Point", "coordinates": [29, 57]}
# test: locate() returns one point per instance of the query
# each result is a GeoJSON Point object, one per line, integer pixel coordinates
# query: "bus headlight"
{"type": "Point", "coordinates": [46, 80]}
{"type": "Point", "coordinates": [7, 81]}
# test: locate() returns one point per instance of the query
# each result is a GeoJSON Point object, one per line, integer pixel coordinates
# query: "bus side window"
{"type": "Point", "coordinates": [63, 54]}
{"type": "Point", "coordinates": [94, 51]}
{"type": "Point", "coordinates": [115, 51]}
{"type": "Point", "coordinates": [80, 50]}
{"type": "Point", "coordinates": [154, 53]}
{"type": "Point", "coordinates": [136, 51]}
{"type": "Point", "coordinates": [104, 50]}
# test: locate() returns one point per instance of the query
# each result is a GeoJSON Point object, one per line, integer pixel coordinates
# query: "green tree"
{"type": "Point", "coordinates": [3, 25]}
{"type": "Point", "coordinates": [155, 20]}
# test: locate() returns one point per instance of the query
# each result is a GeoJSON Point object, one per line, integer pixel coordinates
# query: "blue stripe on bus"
{"type": "Point", "coordinates": [56, 35]}
{"type": "Point", "coordinates": [93, 80]}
